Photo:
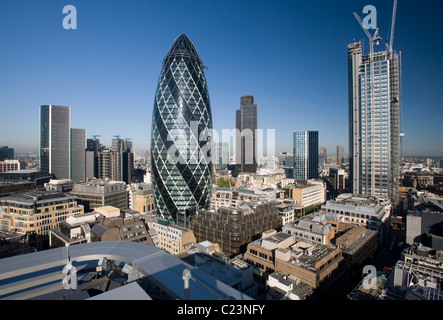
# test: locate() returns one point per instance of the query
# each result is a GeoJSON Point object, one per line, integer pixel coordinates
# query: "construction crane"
{"type": "Point", "coordinates": [96, 135]}
{"type": "Point", "coordinates": [373, 40]}
{"type": "Point", "coordinates": [390, 46]}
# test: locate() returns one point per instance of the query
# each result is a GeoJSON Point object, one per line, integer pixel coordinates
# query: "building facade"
{"type": "Point", "coordinates": [181, 127]}
{"type": "Point", "coordinates": [305, 155]}
{"type": "Point", "coordinates": [55, 140]}
{"type": "Point", "coordinates": [374, 122]}
{"type": "Point", "coordinates": [34, 213]}
{"type": "Point", "coordinates": [233, 228]}
{"type": "Point", "coordinates": [9, 165]}
{"type": "Point", "coordinates": [6, 153]}
{"type": "Point", "coordinates": [78, 155]}
{"type": "Point", "coordinates": [340, 156]}
{"type": "Point", "coordinates": [99, 193]}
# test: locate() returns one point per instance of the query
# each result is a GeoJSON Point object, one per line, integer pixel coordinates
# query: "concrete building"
{"type": "Point", "coordinates": [419, 276]}
{"type": "Point", "coordinates": [358, 244]}
{"type": "Point", "coordinates": [78, 155]}
{"type": "Point", "coordinates": [424, 224]}
{"type": "Point", "coordinates": [340, 156]}
{"type": "Point", "coordinates": [233, 228]}
{"type": "Point", "coordinates": [99, 193]}
{"type": "Point", "coordinates": [59, 185]}
{"type": "Point", "coordinates": [337, 178]}
{"type": "Point", "coordinates": [286, 287]}
{"type": "Point", "coordinates": [306, 193]}
{"type": "Point", "coordinates": [261, 253]}
{"type": "Point", "coordinates": [104, 224]}
{"type": "Point", "coordinates": [234, 272]}
{"type": "Point", "coordinates": [286, 210]}
{"type": "Point", "coordinates": [117, 161]}
{"type": "Point", "coordinates": [371, 213]}
{"type": "Point", "coordinates": [10, 165]}
{"type": "Point", "coordinates": [34, 213]}
{"type": "Point", "coordinates": [320, 227]}
{"type": "Point", "coordinates": [309, 262]}
{"type": "Point", "coordinates": [37, 177]}
{"type": "Point", "coordinates": [226, 197]}
{"type": "Point", "coordinates": [141, 197]}
{"type": "Point", "coordinates": [172, 238]}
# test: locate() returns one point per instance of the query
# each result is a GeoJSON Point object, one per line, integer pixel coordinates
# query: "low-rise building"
{"type": "Point", "coordinates": [286, 287]}
{"type": "Point", "coordinates": [312, 263]}
{"type": "Point", "coordinates": [234, 227]}
{"type": "Point", "coordinates": [141, 197]}
{"type": "Point", "coordinates": [10, 165]}
{"type": "Point", "coordinates": [358, 244]}
{"type": "Point", "coordinates": [99, 193]}
{"type": "Point", "coordinates": [172, 238]}
{"type": "Point", "coordinates": [34, 213]}
{"type": "Point", "coordinates": [369, 212]}
{"type": "Point", "coordinates": [319, 227]}
{"type": "Point", "coordinates": [234, 272]}
{"type": "Point", "coordinates": [286, 209]}
{"type": "Point", "coordinates": [306, 193]}
{"type": "Point", "coordinates": [104, 224]}
{"type": "Point", "coordinates": [227, 197]}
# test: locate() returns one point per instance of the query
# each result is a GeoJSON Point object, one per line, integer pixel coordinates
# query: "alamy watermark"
{"type": "Point", "coordinates": [70, 280]}
{"type": "Point", "coordinates": [70, 21]}
{"type": "Point", "coordinates": [370, 280]}
{"type": "Point", "coordinates": [193, 145]}
{"type": "Point", "coordinates": [370, 20]}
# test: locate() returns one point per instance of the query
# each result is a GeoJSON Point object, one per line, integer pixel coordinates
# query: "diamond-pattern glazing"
{"type": "Point", "coordinates": [181, 101]}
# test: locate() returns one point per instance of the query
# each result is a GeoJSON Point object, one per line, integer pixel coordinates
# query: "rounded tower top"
{"type": "Point", "coordinates": [183, 47]}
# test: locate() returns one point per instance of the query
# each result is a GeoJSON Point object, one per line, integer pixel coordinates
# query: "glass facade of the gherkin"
{"type": "Point", "coordinates": [181, 123]}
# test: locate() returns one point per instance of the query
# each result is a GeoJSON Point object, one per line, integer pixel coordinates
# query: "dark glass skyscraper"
{"type": "Point", "coordinates": [181, 122]}
{"type": "Point", "coordinates": [246, 144]}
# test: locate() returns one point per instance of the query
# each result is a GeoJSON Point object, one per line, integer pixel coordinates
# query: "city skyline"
{"type": "Point", "coordinates": [107, 69]}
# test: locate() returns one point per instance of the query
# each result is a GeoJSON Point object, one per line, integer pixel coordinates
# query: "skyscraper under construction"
{"type": "Point", "coordinates": [374, 86]}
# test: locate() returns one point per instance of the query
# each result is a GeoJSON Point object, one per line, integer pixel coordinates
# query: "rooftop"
{"type": "Point", "coordinates": [19, 275]}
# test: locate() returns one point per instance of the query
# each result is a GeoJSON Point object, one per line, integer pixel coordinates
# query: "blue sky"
{"type": "Point", "coordinates": [290, 55]}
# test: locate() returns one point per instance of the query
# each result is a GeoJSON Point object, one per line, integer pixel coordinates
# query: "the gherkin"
{"type": "Point", "coordinates": [181, 124]}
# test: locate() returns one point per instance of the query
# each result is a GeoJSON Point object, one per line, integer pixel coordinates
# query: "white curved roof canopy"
{"type": "Point", "coordinates": [164, 269]}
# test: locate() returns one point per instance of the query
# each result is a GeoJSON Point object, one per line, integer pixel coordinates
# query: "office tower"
{"type": "Point", "coordinates": [93, 147]}
{"type": "Point", "coordinates": [78, 155]}
{"type": "Point", "coordinates": [245, 141]}
{"type": "Point", "coordinates": [340, 155]}
{"type": "Point", "coordinates": [220, 155]}
{"type": "Point", "coordinates": [305, 155]}
{"type": "Point", "coordinates": [117, 162]}
{"type": "Point", "coordinates": [374, 122]}
{"type": "Point", "coordinates": [181, 171]}
{"type": "Point", "coordinates": [6, 153]}
{"type": "Point", "coordinates": [55, 140]}
{"type": "Point", "coordinates": [324, 153]}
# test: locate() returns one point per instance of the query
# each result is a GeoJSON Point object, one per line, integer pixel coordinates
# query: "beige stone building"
{"type": "Point", "coordinates": [34, 213]}
{"type": "Point", "coordinates": [312, 263]}
{"type": "Point", "coordinates": [172, 238]}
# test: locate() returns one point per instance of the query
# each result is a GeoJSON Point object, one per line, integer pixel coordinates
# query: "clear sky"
{"type": "Point", "coordinates": [290, 55]}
